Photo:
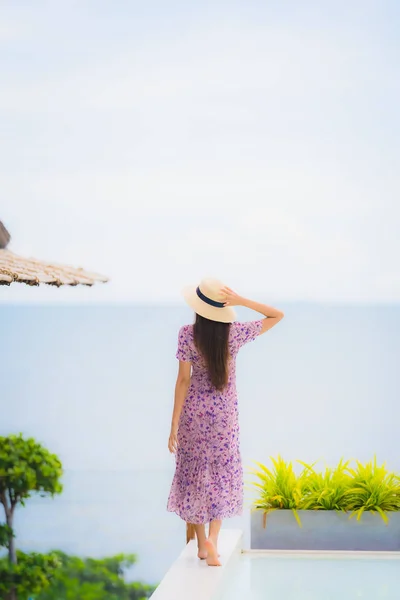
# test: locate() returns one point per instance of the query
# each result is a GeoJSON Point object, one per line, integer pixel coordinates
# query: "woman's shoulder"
{"type": "Point", "coordinates": [243, 332]}
{"type": "Point", "coordinates": [234, 327]}
{"type": "Point", "coordinates": [186, 330]}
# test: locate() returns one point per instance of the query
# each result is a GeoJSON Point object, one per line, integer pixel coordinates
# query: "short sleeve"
{"type": "Point", "coordinates": [246, 332]}
{"type": "Point", "coordinates": [183, 352]}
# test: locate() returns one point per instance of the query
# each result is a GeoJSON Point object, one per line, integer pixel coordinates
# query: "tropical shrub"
{"type": "Point", "coordinates": [31, 574]}
{"type": "Point", "coordinates": [94, 579]}
{"type": "Point", "coordinates": [279, 488]}
{"type": "Point", "coordinates": [353, 490]}
{"type": "Point", "coordinates": [373, 488]}
{"type": "Point", "coordinates": [326, 490]}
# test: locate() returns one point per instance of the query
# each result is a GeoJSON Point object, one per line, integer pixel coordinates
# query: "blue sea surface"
{"type": "Point", "coordinates": [95, 385]}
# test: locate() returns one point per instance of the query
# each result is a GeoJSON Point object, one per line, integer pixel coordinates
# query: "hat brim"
{"type": "Point", "coordinates": [222, 315]}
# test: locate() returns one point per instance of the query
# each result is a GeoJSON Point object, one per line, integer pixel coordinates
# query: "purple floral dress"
{"type": "Point", "coordinates": [208, 481]}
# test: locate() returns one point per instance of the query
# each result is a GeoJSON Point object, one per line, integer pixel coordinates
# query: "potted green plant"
{"type": "Point", "coordinates": [342, 508]}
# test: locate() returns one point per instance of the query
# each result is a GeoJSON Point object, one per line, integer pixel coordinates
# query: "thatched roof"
{"type": "Point", "coordinates": [14, 268]}
{"type": "Point", "coordinates": [33, 272]}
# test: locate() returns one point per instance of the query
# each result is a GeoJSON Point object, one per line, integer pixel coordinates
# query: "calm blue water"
{"type": "Point", "coordinates": [273, 578]}
{"type": "Point", "coordinates": [95, 385]}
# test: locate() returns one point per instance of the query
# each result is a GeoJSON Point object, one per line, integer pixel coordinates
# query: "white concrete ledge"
{"type": "Point", "coordinates": [191, 579]}
{"type": "Point", "coordinates": [325, 554]}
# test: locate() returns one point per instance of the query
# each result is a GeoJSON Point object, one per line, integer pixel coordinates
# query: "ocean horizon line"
{"type": "Point", "coordinates": [180, 305]}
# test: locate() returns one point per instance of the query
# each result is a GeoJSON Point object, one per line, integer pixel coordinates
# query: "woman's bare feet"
{"type": "Point", "coordinates": [201, 538]}
{"type": "Point", "coordinates": [212, 554]}
{"type": "Point", "coordinates": [215, 542]}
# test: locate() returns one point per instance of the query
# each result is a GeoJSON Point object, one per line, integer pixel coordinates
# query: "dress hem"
{"type": "Point", "coordinates": [217, 517]}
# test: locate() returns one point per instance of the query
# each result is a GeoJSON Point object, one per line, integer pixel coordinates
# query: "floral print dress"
{"type": "Point", "coordinates": [208, 481]}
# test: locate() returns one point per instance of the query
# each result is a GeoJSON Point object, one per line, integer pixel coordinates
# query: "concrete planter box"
{"type": "Point", "coordinates": [324, 530]}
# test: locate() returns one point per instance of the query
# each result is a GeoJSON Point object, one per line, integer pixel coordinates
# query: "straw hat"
{"type": "Point", "coordinates": [207, 301]}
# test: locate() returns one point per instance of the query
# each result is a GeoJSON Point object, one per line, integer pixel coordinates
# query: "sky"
{"type": "Point", "coordinates": [158, 143]}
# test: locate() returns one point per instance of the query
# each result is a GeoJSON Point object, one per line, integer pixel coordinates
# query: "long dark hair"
{"type": "Point", "coordinates": [211, 340]}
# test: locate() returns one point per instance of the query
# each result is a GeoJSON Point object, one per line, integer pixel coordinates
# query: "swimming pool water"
{"type": "Point", "coordinates": [300, 577]}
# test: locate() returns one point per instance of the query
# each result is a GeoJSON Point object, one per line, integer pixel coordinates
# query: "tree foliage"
{"type": "Point", "coordinates": [26, 467]}
{"type": "Point", "coordinates": [5, 534]}
{"type": "Point", "coordinates": [94, 579]}
{"type": "Point", "coordinates": [31, 574]}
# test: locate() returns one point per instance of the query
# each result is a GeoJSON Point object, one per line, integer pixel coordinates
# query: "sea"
{"type": "Point", "coordinates": [95, 385]}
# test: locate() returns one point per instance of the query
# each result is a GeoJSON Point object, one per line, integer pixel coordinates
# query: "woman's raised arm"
{"type": "Point", "coordinates": [273, 315]}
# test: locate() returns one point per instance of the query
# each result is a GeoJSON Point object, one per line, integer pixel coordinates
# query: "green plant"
{"type": "Point", "coordinates": [94, 578]}
{"type": "Point", "coordinates": [326, 490]}
{"type": "Point", "coordinates": [368, 487]}
{"type": "Point", "coordinates": [279, 488]}
{"type": "Point", "coordinates": [373, 488]}
{"type": "Point", "coordinates": [5, 534]}
{"type": "Point", "coordinates": [26, 468]}
{"type": "Point", "coordinates": [30, 575]}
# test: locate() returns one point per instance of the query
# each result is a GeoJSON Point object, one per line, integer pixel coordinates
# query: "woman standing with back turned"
{"type": "Point", "coordinates": [208, 482]}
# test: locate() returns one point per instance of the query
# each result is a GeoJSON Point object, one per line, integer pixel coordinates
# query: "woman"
{"type": "Point", "coordinates": [208, 482]}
